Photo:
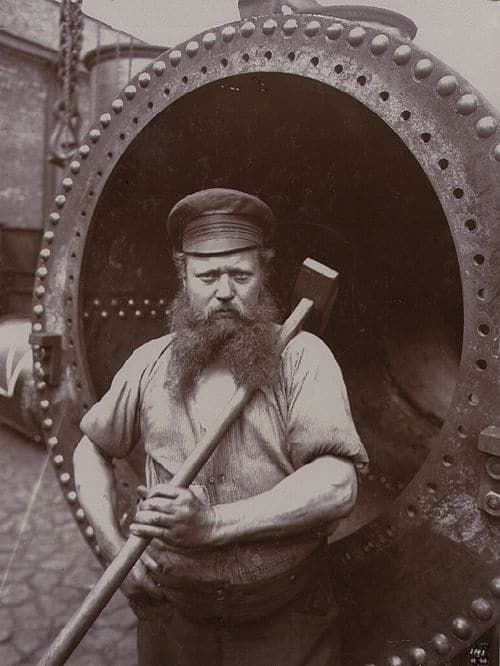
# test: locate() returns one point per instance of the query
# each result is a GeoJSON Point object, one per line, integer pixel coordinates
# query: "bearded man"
{"type": "Point", "coordinates": [236, 570]}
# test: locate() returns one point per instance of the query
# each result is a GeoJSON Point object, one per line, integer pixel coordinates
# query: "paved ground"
{"type": "Point", "coordinates": [52, 569]}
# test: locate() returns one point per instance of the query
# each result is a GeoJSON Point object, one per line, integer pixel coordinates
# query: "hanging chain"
{"type": "Point", "coordinates": [65, 137]}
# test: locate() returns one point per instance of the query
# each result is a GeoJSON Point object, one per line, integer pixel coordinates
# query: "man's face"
{"type": "Point", "coordinates": [220, 285]}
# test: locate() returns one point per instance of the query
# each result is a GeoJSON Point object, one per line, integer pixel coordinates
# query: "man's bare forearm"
{"type": "Point", "coordinates": [307, 500]}
{"type": "Point", "coordinates": [96, 487]}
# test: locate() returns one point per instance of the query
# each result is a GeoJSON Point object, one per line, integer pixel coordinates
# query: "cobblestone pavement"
{"type": "Point", "coordinates": [52, 570]}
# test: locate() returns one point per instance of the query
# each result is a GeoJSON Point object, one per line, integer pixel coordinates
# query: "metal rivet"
{"type": "Point", "coordinates": [130, 92]}
{"type": "Point", "coordinates": [228, 33]}
{"type": "Point", "coordinates": [47, 423]}
{"type": "Point", "coordinates": [495, 587]}
{"type": "Point", "coordinates": [402, 54]}
{"type": "Point", "coordinates": [482, 609]}
{"type": "Point", "coordinates": [44, 404]}
{"type": "Point", "coordinates": [131, 302]}
{"type": "Point", "coordinates": [37, 327]}
{"type": "Point", "coordinates": [486, 127]}
{"type": "Point", "coordinates": [192, 49]}
{"type": "Point", "coordinates": [65, 478]}
{"type": "Point", "coordinates": [80, 515]}
{"type": "Point", "coordinates": [379, 44]}
{"type": "Point", "coordinates": [40, 386]}
{"type": "Point", "coordinates": [312, 28]}
{"type": "Point", "coordinates": [209, 40]}
{"type": "Point", "coordinates": [58, 460]}
{"type": "Point", "coordinates": [84, 150]}
{"type": "Point", "coordinates": [75, 167]}
{"type": "Point", "coordinates": [138, 314]}
{"type": "Point", "coordinates": [49, 236]}
{"type": "Point", "coordinates": [423, 68]}
{"type": "Point", "coordinates": [159, 67]}
{"type": "Point", "coordinates": [446, 85]}
{"type": "Point", "coordinates": [492, 466]}
{"type": "Point", "coordinates": [54, 218]}
{"type": "Point", "coordinates": [269, 27]}
{"type": "Point", "coordinates": [153, 313]}
{"type": "Point", "coordinates": [60, 200]}
{"type": "Point", "coordinates": [496, 152]}
{"type": "Point", "coordinates": [461, 627]}
{"type": "Point", "coordinates": [72, 497]}
{"type": "Point", "coordinates": [104, 314]}
{"type": "Point", "coordinates": [247, 29]}
{"type": "Point", "coordinates": [38, 310]}
{"type": "Point", "coordinates": [105, 119]}
{"type": "Point", "coordinates": [144, 79]}
{"type": "Point", "coordinates": [394, 660]}
{"type": "Point", "coordinates": [52, 442]}
{"type": "Point", "coordinates": [67, 184]}
{"type": "Point", "coordinates": [356, 36]}
{"type": "Point", "coordinates": [89, 532]}
{"type": "Point", "coordinates": [441, 644]}
{"type": "Point", "coordinates": [95, 135]}
{"type": "Point", "coordinates": [466, 104]}
{"type": "Point", "coordinates": [40, 291]}
{"type": "Point", "coordinates": [96, 302]}
{"type": "Point", "coordinates": [290, 26]}
{"type": "Point", "coordinates": [45, 253]}
{"type": "Point", "coordinates": [174, 57]}
{"type": "Point", "coordinates": [334, 31]}
{"type": "Point", "coordinates": [491, 503]}
{"type": "Point", "coordinates": [117, 105]}
{"type": "Point", "coordinates": [121, 314]}
{"type": "Point", "coordinates": [418, 656]}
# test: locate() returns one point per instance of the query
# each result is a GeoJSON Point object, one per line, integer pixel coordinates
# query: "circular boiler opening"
{"type": "Point", "coordinates": [347, 192]}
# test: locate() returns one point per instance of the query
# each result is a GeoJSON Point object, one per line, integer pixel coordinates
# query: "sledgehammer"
{"type": "Point", "coordinates": [314, 294]}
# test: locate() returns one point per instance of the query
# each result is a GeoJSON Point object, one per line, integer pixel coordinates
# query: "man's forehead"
{"type": "Point", "coordinates": [242, 259]}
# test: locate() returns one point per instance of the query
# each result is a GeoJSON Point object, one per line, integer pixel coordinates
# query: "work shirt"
{"type": "Point", "coordinates": [304, 416]}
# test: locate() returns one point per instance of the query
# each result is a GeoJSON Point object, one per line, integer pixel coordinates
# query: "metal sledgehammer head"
{"type": "Point", "coordinates": [319, 283]}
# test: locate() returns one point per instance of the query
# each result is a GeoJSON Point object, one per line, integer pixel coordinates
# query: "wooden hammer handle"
{"type": "Point", "coordinates": [73, 632]}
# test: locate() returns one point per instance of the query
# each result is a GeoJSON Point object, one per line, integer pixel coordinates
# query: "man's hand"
{"type": "Point", "coordinates": [139, 582]}
{"type": "Point", "coordinates": [175, 516]}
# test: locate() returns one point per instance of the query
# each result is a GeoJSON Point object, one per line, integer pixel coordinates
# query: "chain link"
{"type": "Point", "coordinates": [65, 137]}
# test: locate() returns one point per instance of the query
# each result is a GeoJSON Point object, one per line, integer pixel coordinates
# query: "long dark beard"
{"type": "Point", "coordinates": [244, 343]}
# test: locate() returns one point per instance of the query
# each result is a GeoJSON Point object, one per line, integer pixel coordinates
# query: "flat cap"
{"type": "Point", "coordinates": [219, 220]}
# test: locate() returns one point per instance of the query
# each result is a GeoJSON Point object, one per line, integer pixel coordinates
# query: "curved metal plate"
{"type": "Point", "coordinates": [327, 107]}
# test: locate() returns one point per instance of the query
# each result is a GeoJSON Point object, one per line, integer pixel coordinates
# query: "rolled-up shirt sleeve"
{"type": "Point", "coordinates": [319, 415]}
{"type": "Point", "coordinates": [113, 423]}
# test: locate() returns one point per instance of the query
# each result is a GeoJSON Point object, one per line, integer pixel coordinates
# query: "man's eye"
{"type": "Point", "coordinates": [241, 277]}
{"type": "Point", "coordinates": [208, 279]}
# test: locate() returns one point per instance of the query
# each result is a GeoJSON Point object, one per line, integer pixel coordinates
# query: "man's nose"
{"type": "Point", "coordinates": [225, 289]}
